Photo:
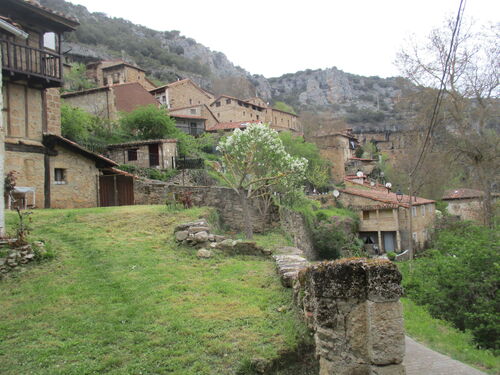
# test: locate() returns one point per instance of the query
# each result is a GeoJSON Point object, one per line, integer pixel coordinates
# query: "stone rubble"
{"type": "Point", "coordinates": [197, 234]}
{"type": "Point", "coordinates": [289, 265]}
{"type": "Point", "coordinates": [18, 256]}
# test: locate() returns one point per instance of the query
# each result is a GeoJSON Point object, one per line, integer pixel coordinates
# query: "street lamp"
{"type": "Point", "coordinates": [399, 195]}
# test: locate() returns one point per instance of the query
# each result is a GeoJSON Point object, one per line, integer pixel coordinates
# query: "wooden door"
{"type": "Point", "coordinates": [116, 190]}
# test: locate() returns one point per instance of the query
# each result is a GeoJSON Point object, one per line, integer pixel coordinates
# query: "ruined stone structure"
{"type": "Point", "coordinates": [295, 225]}
{"type": "Point", "coordinates": [353, 307]}
{"type": "Point", "coordinates": [112, 72]}
{"type": "Point", "coordinates": [155, 153]}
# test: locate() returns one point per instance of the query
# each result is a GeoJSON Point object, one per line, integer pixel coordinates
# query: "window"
{"type": "Point", "coordinates": [190, 101]}
{"type": "Point", "coordinates": [257, 117]}
{"type": "Point", "coordinates": [217, 104]}
{"type": "Point", "coordinates": [430, 208]}
{"type": "Point", "coordinates": [60, 176]}
{"type": "Point", "coordinates": [132, 154]}
{"type": "Point", "coordinates": [366, 215]}
{"type": "Point", "coordinates": [228, 101]}
{"type": "Point", "coordinates": [414, 211]}
{"type": "Point", "coordinates": [50, 40]}
{"type": "Point", "coordinates": [193, 111]}
{"type": "Point", "coordinates": [163, 99]}
{"type": "Point", "coordinates": [423, 210]}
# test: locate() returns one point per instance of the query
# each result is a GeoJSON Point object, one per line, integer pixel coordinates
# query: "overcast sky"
{"type": "Point", "coordinates": [274, 37]}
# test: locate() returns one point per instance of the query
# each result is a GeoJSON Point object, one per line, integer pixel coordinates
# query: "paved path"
{"type": "Point", "coordinates": [420, 360]}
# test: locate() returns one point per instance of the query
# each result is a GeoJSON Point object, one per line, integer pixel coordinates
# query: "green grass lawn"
{"type": "Point", "coordinates": [442, 337]}
{"type": "Point", "coordinates": [121, 297]}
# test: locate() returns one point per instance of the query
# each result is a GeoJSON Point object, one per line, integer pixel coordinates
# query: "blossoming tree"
{"type": "Point", "coordinates": [255, 164]}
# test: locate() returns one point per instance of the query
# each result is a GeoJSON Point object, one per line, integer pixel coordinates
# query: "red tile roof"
{"type": "Point", "coordinates": [231, 125]}
{"type": "Point", "coordinates": [386, 197]}
{"type": "Point", "coordinates": [462, 193]}
{"type": "Point", "coordinates": [129, 96]}
{"type": "Point", "coordinates": [187, 116]}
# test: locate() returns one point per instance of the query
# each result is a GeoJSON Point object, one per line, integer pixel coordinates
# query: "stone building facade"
{"type": "Point", "coordinates": [156, 153]}
{"type": "Point", "coordinates": [467, 204]}
{"type": "Point", "coordinates": [193, 120]}
{"type": "Point", "coordinates": [339, 149]}
{"type": "Point", "coordinates": [183, 93]}
{"type": "Point", "coordinates": [113, 72]}
{"type": "Point", "coordinates": [107, 102]}
{"type": "Point", "coordinates": [385, 218]}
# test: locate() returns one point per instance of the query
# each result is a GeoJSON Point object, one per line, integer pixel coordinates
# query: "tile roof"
{"type": "Point", "coordinates": [129, 96]}
{"type": "Point", "coordinates": [51, 139]}
{"type": "Point", "coordinates": [187, 116]}
{"type": "Point", "coordinates": [390, 198]}
{"type": "Point", "coordinates": [462, 193]}
{"type": "Point", "coordinates": [69, 22]}
{"type": "Point", "coordinates": [141, 143]}
{"type": "Point", "coordinates": [231, 125]}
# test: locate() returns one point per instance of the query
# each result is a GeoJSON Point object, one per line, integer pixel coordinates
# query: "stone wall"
{"type": "Point", "coordinates": [79, 188]}
{"type": "Point", "coordinates": [353, 307]}
{"type": "Point", "coordinates": [53, 105]}
{"type": "Point", "coordinates": [98, 102]}
{"type": "Point", "coordinates": [227, 202]}
{"type": "Point", "coordinates": [185, 93]}
{"type": "Point", "coordinates": [295, 225]}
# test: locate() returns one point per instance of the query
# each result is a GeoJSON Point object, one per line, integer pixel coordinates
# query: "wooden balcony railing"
{"type": "Point", "coordinates": [25, 62]}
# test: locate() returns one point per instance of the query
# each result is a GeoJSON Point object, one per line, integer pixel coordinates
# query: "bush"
{"type": "Point", "coordinates": [458, 280]}
{"type": "Point", "coordinates": [391, 255]}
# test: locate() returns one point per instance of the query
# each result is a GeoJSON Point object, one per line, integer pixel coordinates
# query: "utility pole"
{"type": "Point", "coordinates": [410, 221]}
{"type": "Point", "coordinates": [2, 157]}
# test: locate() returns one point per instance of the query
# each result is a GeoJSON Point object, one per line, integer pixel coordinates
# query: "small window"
{"type": "Point", "coordinates": [190, 101]}
{"type": "Point", "coordinates": [60, 176]}
{"type": "Point", "coordinates": [414, 211]}
{"type": "Point", "coordinates": [217, 104]}
{"type": "Point", "coordinates": [430, 208]}
{"type": "Point", "coordinates": [228, 101]}
{"type": "Point", "coordinates": [423, 210]}
{"type": "Point", "coordinates": [50, 40]}
{"type": "Point", "coordinates": [132, 154]}
{"type": "Point", "coordinates": [257, 117]}
{"type": "Point", "coordinates": [366, 215]}
{"type": "Point", "coordinates": [193, 111]}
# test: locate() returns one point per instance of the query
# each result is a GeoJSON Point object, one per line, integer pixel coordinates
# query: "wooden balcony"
{"type": "Point", "coordinates": [39, 66]}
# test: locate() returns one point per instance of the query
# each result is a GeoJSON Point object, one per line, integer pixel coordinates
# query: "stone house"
{"type": "Point", "coordinates": [384, 217]}
{"type": "Point", "coordinates": [466, 204]}
{"type": "Point", "coordinates": [155, 153]}
{"type": "Point", "coordinates": [108, 101]}
{"type": "Point", "coordinates": [117, 72]}
{"type": "Point", "coordinates": [194, 119]}
{"type": "Point", "coordinates": [338, 148]}
{"type": "Point", "coordinates": [180, 94]}
{"type": "Point", "coordinates": [55, 171]}
{"type": "Point", "coordinates": [228, 109]}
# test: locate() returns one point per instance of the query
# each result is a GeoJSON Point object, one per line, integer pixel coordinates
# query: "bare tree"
{"type": "Point", "coordinates": [469, 111]}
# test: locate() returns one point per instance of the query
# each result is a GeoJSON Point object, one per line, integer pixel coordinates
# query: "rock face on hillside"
{"type": "Point", "coordinates": [358, 102]}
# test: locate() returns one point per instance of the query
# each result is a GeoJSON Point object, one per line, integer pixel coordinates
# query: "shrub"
{"type": "Point", "coordinates": [391, 255]}
{"type": "Point", "coordinates": [459, 278]}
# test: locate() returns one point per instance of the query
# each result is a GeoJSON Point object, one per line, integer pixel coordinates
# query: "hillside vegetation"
{"type": "Point", "coordinates": [121, 298]}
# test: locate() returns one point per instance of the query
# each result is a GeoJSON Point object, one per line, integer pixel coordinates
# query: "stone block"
{"type": "Point", "coordinates": [388, 370]}
{"type": "Point", "coordinates": [181, 235]}
{"type": "Point", "coordinates": [384, 281]}
{"type": "Point", "coordinates": [196, 229]}
{"type": "Point", "coordinates": [201, 237]}
{"type": "Point", "coordinates": [386, 337]}
{"type": "Point", "coordinates": [204, 253]}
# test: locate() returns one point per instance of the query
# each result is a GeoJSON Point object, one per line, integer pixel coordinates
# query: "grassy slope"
{"type": "Point", "coordinates": [442, 337]}
{"type": "Point", "coordinates": [122, 298]}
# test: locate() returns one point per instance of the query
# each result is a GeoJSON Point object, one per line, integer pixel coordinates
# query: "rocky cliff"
{"type": "Point", "coordinates": [325, 99]}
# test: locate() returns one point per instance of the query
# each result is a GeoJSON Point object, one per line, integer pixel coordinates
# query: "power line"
{"type": "Point", "coordinates": [439, 97]}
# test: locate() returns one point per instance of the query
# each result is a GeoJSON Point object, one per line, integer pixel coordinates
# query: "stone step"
{"type": "Point", "coordinates": [288, 267]}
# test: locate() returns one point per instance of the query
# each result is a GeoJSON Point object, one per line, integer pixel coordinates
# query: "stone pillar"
{"type": "Point", "coordinates": [353, 307]}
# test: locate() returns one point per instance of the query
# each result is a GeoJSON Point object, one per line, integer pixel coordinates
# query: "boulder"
{"type": "Point", "coordinates": [181, 235]}
{"type": "Point", "coordinates": [197, 229]}
{"type": "Point", "coordinates": [201, 237]}
{"type": "Point", "coordinates": [204, 253]}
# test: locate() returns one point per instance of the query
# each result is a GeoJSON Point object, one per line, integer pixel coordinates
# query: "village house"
{"type": "Point", "coordinates": [154, 153]}
{"type": "Point", "coordinates": [467, 204]}
{"type": "Point", "coordinates": [339, 148]}
{"type": "Point", "coordinates": [193, 120]}
{"type": "Point", "coordinates": [180, 94]}
{"type": "Point", "coordinates": [108, 101]}
{"type": "Point", "coordinates": [385, 217]}
{"type": "Point", "coordinates": [230, 126]}
{"type": "Point", "coordinates": [51, 171]}
{"type": "Point", "coordinates": [117, 72]}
